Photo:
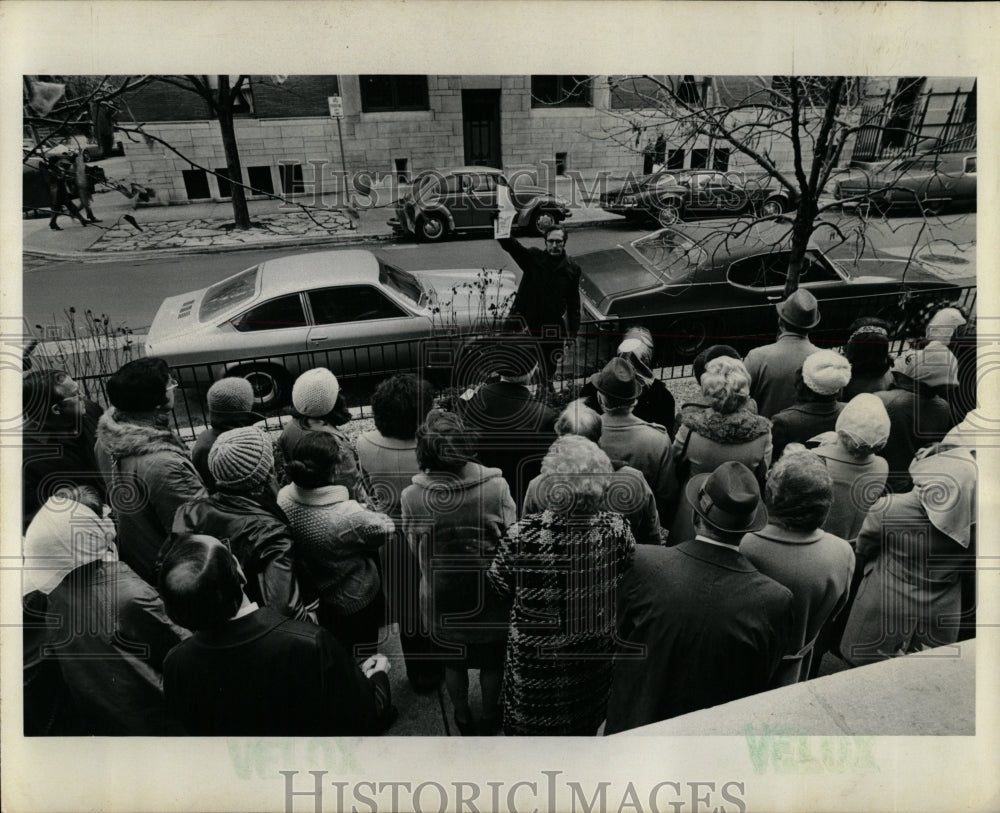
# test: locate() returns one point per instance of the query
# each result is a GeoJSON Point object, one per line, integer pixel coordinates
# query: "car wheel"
{"type": "Point", "coordinates": [669, 215]}
{"type": "Point", "coordinates": [432, 228]}
{"type": "Point", "coordinates": [688, 336]}
{"type": "Point", "coordinates": [271, 384]}
{"type": "Point", "coordinates": [543, 220]}
{"type": "Point", "coordinates": [86, 156]}
{"type": "Point", "coordinates": [774, 206]}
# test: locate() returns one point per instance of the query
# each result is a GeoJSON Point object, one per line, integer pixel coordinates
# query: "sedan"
{"type": "Point", "coordinates": [464, 199]}
{"type": "Point", "coordinates": [669, 196]}
{"type": "Point", "coordinates": [346, 310]}
{"type": "Point", "coordinates": [930, 184]}
{"type": "Point", "coordinates": [697, 285]}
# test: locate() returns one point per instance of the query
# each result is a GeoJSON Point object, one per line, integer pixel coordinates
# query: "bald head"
{"type": "Point", "coordinates": [200, 581]}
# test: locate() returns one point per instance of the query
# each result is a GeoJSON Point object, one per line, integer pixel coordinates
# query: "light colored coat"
{"type": "Point", "coordinates": [772, 371]}
{"type": "Point", "coordinates": [646, 447]}
{"type": "Point", "coordinates": [817, 568]}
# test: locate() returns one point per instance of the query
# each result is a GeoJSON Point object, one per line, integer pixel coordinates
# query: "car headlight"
{"type": "Point", "coordinates": [629, 200]}
{"type": "Point", "coordinates": [561, 201]}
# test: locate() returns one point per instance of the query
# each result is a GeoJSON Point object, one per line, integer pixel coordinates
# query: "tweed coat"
{"type": "Point", "coordinates": [772, 369]}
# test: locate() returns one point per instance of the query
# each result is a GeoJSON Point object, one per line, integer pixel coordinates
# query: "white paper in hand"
{"type": "Point", "coordinates": [507, 212]}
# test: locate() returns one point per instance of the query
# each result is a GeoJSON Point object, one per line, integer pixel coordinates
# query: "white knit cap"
{"type": "Point", "coordinates": [826, 372]}
{"type": "Point", "coordinates": [315, 392]}
{"type": "Point", "coordinates": [241, 460]}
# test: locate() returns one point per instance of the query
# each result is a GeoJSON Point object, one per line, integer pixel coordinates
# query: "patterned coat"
{"type": "Point", "coordinates": [563, 572]}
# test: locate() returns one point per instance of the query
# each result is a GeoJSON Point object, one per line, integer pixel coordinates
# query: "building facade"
{"type": "Point", "coordinates": [398, 125]}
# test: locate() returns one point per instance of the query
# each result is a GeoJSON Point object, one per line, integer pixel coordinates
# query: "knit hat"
{"type": "Point", "coordinates": [826, 372]}
{"type": "Point", "coordinates": [230, 397]}
{"type": "Point", "coordinates": [865, 419]}
{"type": "Point", "coordinates": [315, 392]}
{"type": "Point", "coordinates": [240, 460]}
{"type": "Point", "coordinates": [933, 366]}
{"type": "Point", "coordinates": [942, 325]}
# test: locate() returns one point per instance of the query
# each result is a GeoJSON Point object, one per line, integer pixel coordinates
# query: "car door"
{"type": "Point", "coordinates": [359, 329]}
{"type": "Point", "coordinates": [475, 198]}
{"type": "Point", "coordinates": [710, 194]}
{"type": "Point", "coordinates": [272, 328]}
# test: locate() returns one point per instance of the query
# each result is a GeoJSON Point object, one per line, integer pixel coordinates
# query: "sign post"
{"type": "Point", "coordinates": [337, 111]}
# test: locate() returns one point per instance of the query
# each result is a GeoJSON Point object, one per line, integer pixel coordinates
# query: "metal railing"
{"type": "Point", "coordinates": [452, 361]}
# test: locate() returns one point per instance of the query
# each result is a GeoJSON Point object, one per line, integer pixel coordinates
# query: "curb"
{"type": "Point", "coordinates": [89, 256]}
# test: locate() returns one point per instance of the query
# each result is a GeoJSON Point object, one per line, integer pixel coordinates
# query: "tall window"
{"type": "Point", "coordinates": [384, 92]}
{"type": "Point", "coordinates": [560, 91]}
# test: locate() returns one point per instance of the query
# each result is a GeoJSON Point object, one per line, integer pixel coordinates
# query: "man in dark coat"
{"type": "Point", "coordinates": [514, 430]}
{"type": "Point", "coordinates": [60, 429]}
{"type": "Point", "coordinates": [244, 511]}
{"type": "Point", "coordinates": [698, 624]}
{"type": "Point", "coordinates": [818, 385]}
{"type": "Point", "coordinates": [548, 296]}
{"type": "Point", "coordinates": [250, 671]}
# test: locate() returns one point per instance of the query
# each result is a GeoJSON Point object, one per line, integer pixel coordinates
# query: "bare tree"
{"type": "Point", "coordinates": [793, 130]}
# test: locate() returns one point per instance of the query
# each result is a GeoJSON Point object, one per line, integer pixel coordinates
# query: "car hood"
{"type": "Point", "coordinates": [609, 274]}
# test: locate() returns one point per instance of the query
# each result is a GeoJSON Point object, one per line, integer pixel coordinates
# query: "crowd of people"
{"type": "Point", "coordinates": [617, 563]}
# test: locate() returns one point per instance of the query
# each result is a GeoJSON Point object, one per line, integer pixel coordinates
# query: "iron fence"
{"type": "Point", "coordinates": [453, 362]}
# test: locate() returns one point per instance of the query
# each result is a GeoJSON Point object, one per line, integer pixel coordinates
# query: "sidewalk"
{"type": "Point", "coordinates": [201, 227]}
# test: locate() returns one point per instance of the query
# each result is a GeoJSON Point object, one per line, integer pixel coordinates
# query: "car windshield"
{"type": "Point", "coordinates": [403, 283]}
{"type": "Point", "coordinates": [228, 293]}
{"type": "Point", "coordinates": [671, 254]}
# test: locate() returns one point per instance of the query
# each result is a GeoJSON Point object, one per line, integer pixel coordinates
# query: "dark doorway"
{"type": "Point", "coordinates": [481, 126]}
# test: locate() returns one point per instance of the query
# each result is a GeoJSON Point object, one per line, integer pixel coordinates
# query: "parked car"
{"type": "Point", "coordinates": [70, 146]}
{"type": "Point", "coordinates": [929, 183]}
{"type": "Point", "coordinates": [668, 196]}
{"type": "Point", "coordinates": [441, 202]}
{"type": "Point", "coordinates": [699, 284]}
{"type": "Point", "coordinates": [347, 310]}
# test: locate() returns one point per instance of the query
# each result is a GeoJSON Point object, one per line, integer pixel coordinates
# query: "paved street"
{"type": "Point", "coordinates": [130, 289]}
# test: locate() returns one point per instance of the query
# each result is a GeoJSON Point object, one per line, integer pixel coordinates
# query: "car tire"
{"type": "Point", "coordinates": [670, 214]}
{"type": "Point", "coordinates": [543, 220]}
{"type": "Point", "coordinates": [688, 336]}
{"type": "Point", "coordinates": [432, 228]}
{"type": "Point", "coordinates": [271, 384]}
{"type": "Point", "coordinates": [773, 207]}
{"type": "Point", "coordinates": [86, 156]}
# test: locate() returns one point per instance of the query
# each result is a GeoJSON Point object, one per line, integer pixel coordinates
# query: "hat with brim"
{"type": "Point", "coordinates": [617, 380]}
{"type": "Point", "coordinates": [800, 310]}
{"type": "Point", "coordinates": [728, 499]}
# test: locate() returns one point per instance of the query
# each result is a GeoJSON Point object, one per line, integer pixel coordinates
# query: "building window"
{"type": "Point", "coordinates": [260, 180]}
{"type": "Point", "coordinates": [291, 178]}
{"type": "Point", "coordinates": [225, 183]}
{"type": "Point", "coordinates": [699, 158]}
{"type": "Point", "coordinates": [560, 91]}
{"type": "Point", "coordinates": [196, 184]}
{"type": "Point", "coordinates": [814, 90]}
{"type": "Point", "coordinates": [381, 93]}
{"type": "Point", "coordinates": [720, 160]}
{"type": "Point", "coordinates": [675, 159]}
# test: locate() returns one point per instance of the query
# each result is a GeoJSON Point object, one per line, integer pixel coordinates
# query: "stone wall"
{"type": "Point", "coordinates": [592, 139]}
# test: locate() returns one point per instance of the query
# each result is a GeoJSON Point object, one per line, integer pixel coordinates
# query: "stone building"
{"type": "Point", "coordinates": [397, 125]}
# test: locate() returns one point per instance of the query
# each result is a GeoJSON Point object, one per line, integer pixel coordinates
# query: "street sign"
{"type": "Point", "coordinates": [336, 106]}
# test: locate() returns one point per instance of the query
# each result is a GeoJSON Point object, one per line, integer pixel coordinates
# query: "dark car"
{"type": "Point", "coordinates": [441, 202]}
{"type": "Point", "coordinates": [699, 284]}
{"type": "Point", "coordinates": [669, 196]}
{"type": "Point", "coordinates": [929, 183]}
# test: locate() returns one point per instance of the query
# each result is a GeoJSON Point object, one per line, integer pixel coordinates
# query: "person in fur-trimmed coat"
{"type": "Point", "coordinates": [726, 429]}
{"type": "Point", "coordinates": [147, 468]}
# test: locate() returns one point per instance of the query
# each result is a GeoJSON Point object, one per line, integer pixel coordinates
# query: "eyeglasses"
{"type": "Point", "coordinates": [555, 242]}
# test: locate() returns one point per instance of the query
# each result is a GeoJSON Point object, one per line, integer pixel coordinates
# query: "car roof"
{"type": "Point", "coordinates": [298, 272]}
{"type": "Point", "coordinates": [751, 237]}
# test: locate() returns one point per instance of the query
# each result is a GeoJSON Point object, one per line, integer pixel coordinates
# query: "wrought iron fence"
{"type": "Point", "coordinates": [451, 362]}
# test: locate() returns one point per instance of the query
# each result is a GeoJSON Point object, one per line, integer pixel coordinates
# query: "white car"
{"type": "Point", "coordinates": [349, 311]}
